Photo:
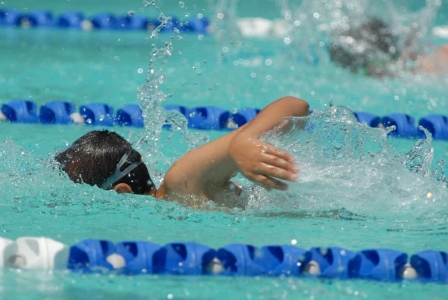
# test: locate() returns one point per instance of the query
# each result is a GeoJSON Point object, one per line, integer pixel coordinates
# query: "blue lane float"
{"type": "Point", "coordinates": [332, 261]}
{"type": "Point", "coordinates": [57, 112]}
{"type": "Point", "coordinates": [90, 255]}
{"type": "Point", "coordinates": [198, 25]}
{"type": "Point", "coordinates": [70, 19]}
{"type": "Point", "coordinates": [138, 256]}
{"type": "Point", "coordinates": [179, 108]}
{"type": "Point", "coordinates": [431, 265]}
{"type": "Point", "coordinates": [183, 259]}
{"type": "Point", "coordinates": [404, 125]}
{"type": "Point", "coordinates": [20, 111]}
{"type": "Point", "coordinates": [99, 21]}
{"type": "Point", "coordinates": [39, 18]}
{"type": "Point", "coordinates": [242, 116]}
{"type": "Point", "coordinates": [130, 115]}
{"type": "Point", "coordinates": [378, 264]}
{"type": "Point", "coordinates": [207, 117]}
{"type": "Point", "coordinates": [10, 17]}
{"type": "Point", "coordinates": [104, 21]}
{"type": "Point", "coordinates": [239, 259]}
{"type": "Point", "coordinates": [437, 125]}
{"type": "Point", "coordinates": [133, 23]}
{"type": "Point", "coordinates": [97, 114]}
{"type": "Point", "coordinates": [189, 258]}
{"type": "Point", "coordinates": [283, 260]}
{"type": "Point", "coordinates": [203, 117]}
{"type": "Point", "coordinates": [368, 118]}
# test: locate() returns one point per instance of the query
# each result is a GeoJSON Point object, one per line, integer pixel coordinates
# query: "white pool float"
{"type": "Point", "coordinates": [36, 253]}
{"type": "Point", "coordinates": [3, 244]}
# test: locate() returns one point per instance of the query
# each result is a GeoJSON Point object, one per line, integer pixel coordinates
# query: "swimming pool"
{"type": "Point", "coordinates": [84, 67]}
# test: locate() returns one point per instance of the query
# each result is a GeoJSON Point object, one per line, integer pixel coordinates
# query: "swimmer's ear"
{"type": "Point", "coordinates": [123, 188]}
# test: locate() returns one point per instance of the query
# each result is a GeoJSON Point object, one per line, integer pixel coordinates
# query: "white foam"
{"type": "Point", "coordinates": [260, 27]}
{"type": "Point", "coordinates": [440, 31]}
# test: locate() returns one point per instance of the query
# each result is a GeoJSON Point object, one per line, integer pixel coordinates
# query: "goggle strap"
{"type": "Point", "coordinates": [117, 175]}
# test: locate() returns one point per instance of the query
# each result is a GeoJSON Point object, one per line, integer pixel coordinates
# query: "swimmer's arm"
{"type": "Point", "coordinates": [206, 170]}
{"type": "Point", "coordinates": [261, 162]}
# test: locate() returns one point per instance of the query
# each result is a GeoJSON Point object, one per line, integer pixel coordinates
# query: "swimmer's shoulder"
{"type": "Point", "coordinates": [178, 185]}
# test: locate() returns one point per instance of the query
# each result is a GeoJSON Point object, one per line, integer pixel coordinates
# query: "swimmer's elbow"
{"type": "Point", "coordinates": [298, 107]}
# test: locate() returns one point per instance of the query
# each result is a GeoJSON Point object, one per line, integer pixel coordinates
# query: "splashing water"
{"type": "Point", "coordinates": [150, 98]}
{"type": "Point", "coordinates": [347, 165]}
{"type": "Point", "coordinates": [334, 22]}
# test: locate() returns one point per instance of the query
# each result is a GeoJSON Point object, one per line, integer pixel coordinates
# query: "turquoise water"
{"type": "Point", "coordinates": [352, 202]}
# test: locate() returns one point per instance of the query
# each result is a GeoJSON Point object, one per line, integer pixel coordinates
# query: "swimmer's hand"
{"type": "Point", "coordinates": [263, 163]}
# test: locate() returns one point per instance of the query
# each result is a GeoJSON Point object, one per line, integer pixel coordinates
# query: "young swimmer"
{"type": "Point", "coordinates": [373, 49]}
{"type": "Point", "coordinates": [105, 159]}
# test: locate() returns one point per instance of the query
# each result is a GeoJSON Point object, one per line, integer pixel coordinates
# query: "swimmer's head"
{"type": "Point", "coordinates": [358, 47]}
{"type": "Point", "coordinates": [105, 159]}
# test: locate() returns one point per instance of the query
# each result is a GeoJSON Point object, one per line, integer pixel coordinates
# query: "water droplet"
{"type": "Point", "coordinates": [181, 4]}
{"type": "Point", "coordinates": [131, 12]}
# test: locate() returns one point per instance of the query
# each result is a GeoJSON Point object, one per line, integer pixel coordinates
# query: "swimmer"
{"type": "Point", "coordinates": [107, 160]}
{"type": "Point", "coordinates": [373, 49]}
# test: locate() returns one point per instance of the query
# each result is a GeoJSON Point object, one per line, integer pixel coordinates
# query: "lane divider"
{"type": "Point", "coordinates": [249, 27]}
{"type": "Point", "coordinates": [202, 117]}
{"type": "Point", "coordinates": [101, 21]}
{"type": "Point", "coordinates": [141, 257]}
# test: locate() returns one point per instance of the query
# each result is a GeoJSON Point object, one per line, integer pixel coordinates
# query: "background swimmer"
{"type": "Point", "coordinates": [373, 48]}
{"type": "Point", "coordinates": [105, 159]}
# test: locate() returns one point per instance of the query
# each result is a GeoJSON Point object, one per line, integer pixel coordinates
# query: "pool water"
{"type": "Point", "coordinates": [351, 196]}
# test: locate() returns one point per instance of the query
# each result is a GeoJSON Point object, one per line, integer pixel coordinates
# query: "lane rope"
{"type": "Point", "coordinates": [201, 117]}
{"type": "Point", "coordinates": [142, 257]}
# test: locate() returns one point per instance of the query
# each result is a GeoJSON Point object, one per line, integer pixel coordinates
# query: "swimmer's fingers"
{"type": "Point", "coordinates": [283, 170]}
{"type": "Point", "coordinates": [279, 164]}
{"type": "Point", "coordinates": [268, 182]}
{"type": "Point", "coordinates": [273, 152]}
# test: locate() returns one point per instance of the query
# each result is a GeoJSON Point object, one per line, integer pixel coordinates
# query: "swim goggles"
{"type": "Point", "coordinates": [118, 174]}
